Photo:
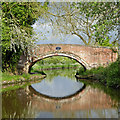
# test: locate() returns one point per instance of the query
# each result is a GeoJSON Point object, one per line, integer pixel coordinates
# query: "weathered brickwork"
{"type": "Point", "coordinates": [88, 56]}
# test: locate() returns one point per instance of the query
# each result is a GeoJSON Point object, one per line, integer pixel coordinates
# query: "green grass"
{"type": "Point", "coordinates": [9, 77]}
{"type": "Point", "coordinates": [17, 86]}
{"type": "Point", "coordinates": [9, 88]}
{"type": "Point", "coordinates": [109, 75]}
{"type": "Point", "coordinates": [6, 76]}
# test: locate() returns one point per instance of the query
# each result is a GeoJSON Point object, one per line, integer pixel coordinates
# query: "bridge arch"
{"type": "Point", "coordinates": [88, 56]}
{"type": "Point", "coordinates": [64, 54]}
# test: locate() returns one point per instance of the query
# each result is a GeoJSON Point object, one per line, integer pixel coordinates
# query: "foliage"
{"type": "Point", "coordinates": [54, 62]}
{"type": "Point", "coordinates": [57, 60]}
{"type": "Point", "coordinates": [37, 67]}
{"type": "Point", "coordinates": [110, 75]}
{"type": "Point", "coordinates": [17, 18]}
{"type": "Point", "coordinates": [90, 21]}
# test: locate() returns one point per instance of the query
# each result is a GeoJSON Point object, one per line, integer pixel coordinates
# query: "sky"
{"type": "Point", "coordinates": [45, 37]}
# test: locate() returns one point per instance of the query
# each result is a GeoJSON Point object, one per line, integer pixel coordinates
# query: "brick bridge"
{"type": "Point", "coordinates": [87, 56]}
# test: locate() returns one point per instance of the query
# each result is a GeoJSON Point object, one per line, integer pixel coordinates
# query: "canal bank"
{"type": "Point", "coordinates": [10, 81]}
{"type": "Point", "coordinates": [108, 76]}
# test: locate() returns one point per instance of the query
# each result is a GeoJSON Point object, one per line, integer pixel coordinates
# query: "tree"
{"type": "Point", "coordinates": [17, 18]}
{"type": "Point", "coordinates": [90, 21]}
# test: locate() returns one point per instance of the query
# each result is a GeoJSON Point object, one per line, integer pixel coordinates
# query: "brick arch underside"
{"type": "Point", "coordinates": [73, 56]}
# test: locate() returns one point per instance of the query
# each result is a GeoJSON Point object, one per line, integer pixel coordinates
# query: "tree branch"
{"type": "Point", "coordinates": [80, 37]}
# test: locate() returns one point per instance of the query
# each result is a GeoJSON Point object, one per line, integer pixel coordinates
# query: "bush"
{"type": "Point", "coordinates": [110, 75]}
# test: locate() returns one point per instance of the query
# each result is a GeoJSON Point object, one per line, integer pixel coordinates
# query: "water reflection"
{"type": "Point", "coordinates": [69, 73]}
{"type": "Point", "coordinates": [90, 103]}
{"type": "Point", "coordinates": [106, 113]}
{"type": "Point", "coordinates": [58, 87]}
{"type": "Point", "coordinates": [93, 104]}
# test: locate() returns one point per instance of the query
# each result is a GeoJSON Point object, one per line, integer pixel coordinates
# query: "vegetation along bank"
{"type": "Point", "coordinates": [109, 76]}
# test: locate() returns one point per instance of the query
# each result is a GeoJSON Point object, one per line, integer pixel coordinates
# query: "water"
{"type": "Point", "coordinates": [34, 101]}
{"type": "Point", "coordinates": [58, 87]}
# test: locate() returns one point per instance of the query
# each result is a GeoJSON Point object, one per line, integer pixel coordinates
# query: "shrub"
{"type": "Point", "coordinates": [109, 75]}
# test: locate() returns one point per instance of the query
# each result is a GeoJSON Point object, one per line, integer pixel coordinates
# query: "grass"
{"type": "Point", "coordinates": [17, 86]}
{"type": "Point", "coordinates": [8, 88]}
{"type": "Point", "coordinates": [9, 77]}
{"type": "Point", "coordinates": [11, 81]}
{"type": "Point", "coordinates": [109, 76]}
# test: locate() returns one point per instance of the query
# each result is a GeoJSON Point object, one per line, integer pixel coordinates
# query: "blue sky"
{"type": "Point", "coordinates": [45, 37]}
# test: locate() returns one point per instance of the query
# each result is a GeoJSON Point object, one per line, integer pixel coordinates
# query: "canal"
{"type": "Point", "coordinates": [60, 95]}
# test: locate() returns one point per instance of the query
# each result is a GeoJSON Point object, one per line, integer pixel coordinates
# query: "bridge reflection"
{"type": "Point", "coordinates": [91, 102]}
{"type": "Point", "coordinates": [89, 98]}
